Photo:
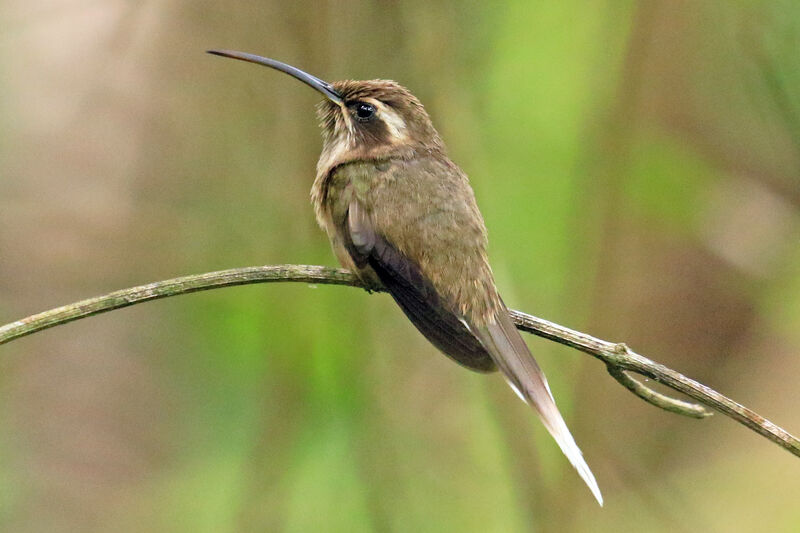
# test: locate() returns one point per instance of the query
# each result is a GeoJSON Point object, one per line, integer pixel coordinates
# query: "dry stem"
{"type": "Point", "coordinates": [619, 359]}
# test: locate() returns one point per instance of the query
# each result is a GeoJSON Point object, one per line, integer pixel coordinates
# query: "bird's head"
{"type": "Point", "coordinates": [362, 120]}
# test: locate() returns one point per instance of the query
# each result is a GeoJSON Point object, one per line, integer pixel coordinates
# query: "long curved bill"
{"type": "Point", "coordinates": [312, 81]}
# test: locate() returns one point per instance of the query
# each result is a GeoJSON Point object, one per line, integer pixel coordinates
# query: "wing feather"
{"type": "Point", "coordinates": [414, 294]}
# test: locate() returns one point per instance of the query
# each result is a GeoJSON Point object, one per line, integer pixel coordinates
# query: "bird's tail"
{"type": "Point", "coordinates": [512, 356]}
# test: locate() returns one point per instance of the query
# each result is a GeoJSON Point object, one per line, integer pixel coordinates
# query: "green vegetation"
{"type": "Point", "coordinates": [637, 166]}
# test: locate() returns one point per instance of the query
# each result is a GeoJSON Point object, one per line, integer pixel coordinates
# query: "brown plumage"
{"type": "Point", "coordinates": [400, 214]}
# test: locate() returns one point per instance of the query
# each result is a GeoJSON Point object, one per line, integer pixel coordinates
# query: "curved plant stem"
{"type": "Point", "coordinates": [619, 359]}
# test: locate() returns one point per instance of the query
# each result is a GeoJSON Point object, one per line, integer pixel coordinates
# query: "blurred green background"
{"type": "Point", "coordinates": [638, 166]}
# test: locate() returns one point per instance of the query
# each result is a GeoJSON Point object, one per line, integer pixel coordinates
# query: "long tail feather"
{"type": "Point", "coordinates": [512, 356]}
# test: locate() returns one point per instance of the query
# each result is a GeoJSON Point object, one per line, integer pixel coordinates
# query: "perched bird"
{"type": "Point", "coordinates": [401, 215]}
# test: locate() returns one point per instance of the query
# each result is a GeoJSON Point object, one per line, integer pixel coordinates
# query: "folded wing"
{"type": "Point", "coordinates": [413, 293]}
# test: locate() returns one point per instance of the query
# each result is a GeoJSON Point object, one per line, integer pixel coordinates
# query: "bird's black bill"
{"type": "Point", "coordinates": [312, 81]}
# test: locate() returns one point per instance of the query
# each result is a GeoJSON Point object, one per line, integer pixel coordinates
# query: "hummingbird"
{"type": "Point", "coordinates": [402, 216]}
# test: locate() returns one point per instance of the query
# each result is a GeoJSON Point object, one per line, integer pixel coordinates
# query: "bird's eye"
{"type": "Point", "coordinates": [364, 111]}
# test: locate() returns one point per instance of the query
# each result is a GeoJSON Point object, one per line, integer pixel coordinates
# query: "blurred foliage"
{"type": "Point", "coordinates": [637, 164]}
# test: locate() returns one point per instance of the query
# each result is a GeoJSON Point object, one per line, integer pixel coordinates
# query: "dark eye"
{"type": "Point", "coordinates": [364, 111]}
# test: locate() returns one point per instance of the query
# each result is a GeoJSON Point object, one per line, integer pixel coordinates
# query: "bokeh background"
{"type": "Point", "coordinates": [638, 166]}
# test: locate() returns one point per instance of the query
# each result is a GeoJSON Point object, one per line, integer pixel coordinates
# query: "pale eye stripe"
{"type": "Point", "coordinates": [394, 122]}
